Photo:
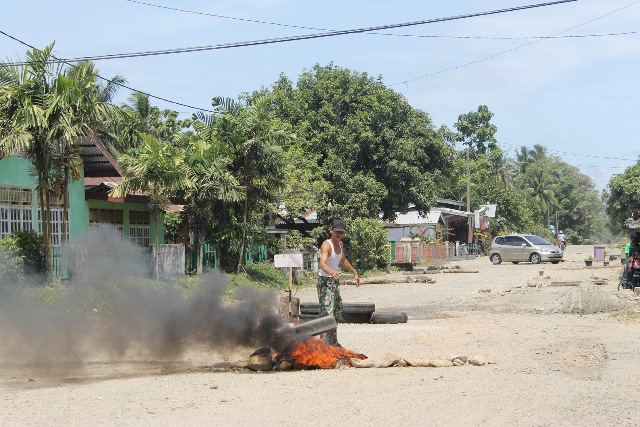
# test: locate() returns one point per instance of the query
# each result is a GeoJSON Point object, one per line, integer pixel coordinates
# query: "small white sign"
{"type": "Point", "coordinates": [288, 260]}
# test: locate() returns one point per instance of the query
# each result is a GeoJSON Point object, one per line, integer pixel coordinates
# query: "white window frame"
{"type": "Point", "coordinates": [140, 228]}
{"type": "Point", "coordinates": [16, 210]}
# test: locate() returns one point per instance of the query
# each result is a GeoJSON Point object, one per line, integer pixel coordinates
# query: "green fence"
{"type": "Point", "coordinates": [209, 255]}
{"type": "Point", "coordinates": [60, 266]}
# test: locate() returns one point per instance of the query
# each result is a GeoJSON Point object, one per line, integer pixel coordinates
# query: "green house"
{"type": "Point", "coordinates": [89, 202]}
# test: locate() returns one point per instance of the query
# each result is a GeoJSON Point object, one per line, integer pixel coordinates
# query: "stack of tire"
{"type": "Point", "coordinates": [354, 312]}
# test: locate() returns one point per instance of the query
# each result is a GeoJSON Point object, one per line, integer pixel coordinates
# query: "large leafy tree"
{"type": "Point", "coordinates": [372, 152]}
{"type": "Point", "coordinates": [476, 131]}
{"type": "Point", "coordinates": [623, 198]}
{"type": "Point", "coordinates": [580, 210]}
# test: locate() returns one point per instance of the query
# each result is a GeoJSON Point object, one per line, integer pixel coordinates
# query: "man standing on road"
{"type": "Point", "coordinates": [328, 285]}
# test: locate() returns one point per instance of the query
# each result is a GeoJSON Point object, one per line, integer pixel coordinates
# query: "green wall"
{"type": "Point", "coordinates": [126, 207]}
{"type": "Point", "coordinates": [16, 171]}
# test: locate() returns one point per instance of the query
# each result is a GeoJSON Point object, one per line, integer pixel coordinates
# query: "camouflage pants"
{"type": "Point", "coordinates": [330, 304]}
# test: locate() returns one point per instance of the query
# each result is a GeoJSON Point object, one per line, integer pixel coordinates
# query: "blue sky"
{"type": "Point", "coordinates": [579, 96]}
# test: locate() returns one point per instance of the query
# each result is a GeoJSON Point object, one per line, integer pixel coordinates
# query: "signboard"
{"type": "Point", "coordinates": [489, 210]}
{"type": "Point", "coordinates": [288, 260]}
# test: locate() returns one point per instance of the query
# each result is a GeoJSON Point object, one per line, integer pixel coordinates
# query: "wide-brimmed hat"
{"type": "Point", "coordinates": [339, 225]}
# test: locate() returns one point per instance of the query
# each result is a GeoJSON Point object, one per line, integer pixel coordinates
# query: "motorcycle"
{"type": "Point", "coordinates": [631, 277]}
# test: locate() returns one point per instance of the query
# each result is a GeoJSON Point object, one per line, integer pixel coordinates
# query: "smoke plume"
{"type": "Point", "coordinates": [113, 311]}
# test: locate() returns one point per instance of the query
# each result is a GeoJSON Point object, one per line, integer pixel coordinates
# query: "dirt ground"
{"type": "Point", "coordinates": [555, 356]}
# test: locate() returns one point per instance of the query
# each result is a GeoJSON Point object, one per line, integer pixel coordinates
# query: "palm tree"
{"type": "Point", "coordinates": [499, 166]}
{"type": "Point", "coordinates": [523, 159]}
{"type": "Point", "coordinates": [257, 136]}
{"type": "Point", "coordinates": [538, 153]}
{"type": "Point", "coordinates": [89, 105]}
{"type": "Point", "coordinates": [208, 160]}
{"type": "Point", "coordinates": [142, 107]}
{"type": "Point", "coordinates": [542, 189]}
{"type": "Point", "coordinates": [44, 112]}
{"type": "Point", "coordinates": [158, 170]}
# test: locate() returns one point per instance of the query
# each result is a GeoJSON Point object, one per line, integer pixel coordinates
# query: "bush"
{"type": "Point", "coordinates": [172, 227]}
{"type": "Point", "coordinates": [370, 248]}
{"type": "Point", "coordinates": [30, 247]}
{"type": "Point", "coordinates": [11, 265]}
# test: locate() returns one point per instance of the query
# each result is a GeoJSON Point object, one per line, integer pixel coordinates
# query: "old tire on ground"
{"type": "Point", "coordinates": [495, 258]}
{"type": "Point", "coordinates": [355, 318]}
{"type": "Point", "coordinates": [347, 307]}
{"type": "Point", "coordinates": [535, 258]}
{"type": "Point", "coordinates": [345, 318]}
{"type": "Point", "coordinates": [397, 317]}
{"type": "Point", "coordinates": [304, 317]}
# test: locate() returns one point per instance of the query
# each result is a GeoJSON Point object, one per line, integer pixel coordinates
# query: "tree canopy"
{"type": "Point", "coordinates": [364, 150]}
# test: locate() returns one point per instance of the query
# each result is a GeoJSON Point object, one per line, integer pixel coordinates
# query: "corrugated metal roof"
{"type": "Point", "coordinates": [97, 161]}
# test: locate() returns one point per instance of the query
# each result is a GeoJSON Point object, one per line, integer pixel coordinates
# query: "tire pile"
{"type": "Point", "coordinates": [354, 312]}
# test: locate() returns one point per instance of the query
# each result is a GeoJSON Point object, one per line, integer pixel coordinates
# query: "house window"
{"type": "Point", "coordinates": [56, 207]}
{"type": "Point", "coordinates": [56, 225]}
{"type": "Point", "coordinates": [15, 210]}
{"type": "Point", "coordinates": [108, 222]}
{"type": "Point", "coordinates": [139, 228]}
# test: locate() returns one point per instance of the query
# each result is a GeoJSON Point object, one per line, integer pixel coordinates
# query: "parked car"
{"type": "Point", "coordinates": [517, 248]}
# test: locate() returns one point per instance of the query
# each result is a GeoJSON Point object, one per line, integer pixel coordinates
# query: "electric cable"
{"type": "Point", "coordinates": [306, 36]}
{"type": "Point", "coordinates": [111, 81]}
{"type": "Point", "coordinates": [375, 33]}
{"type": "Point", "coordinates": [405, 82]}
{"type": "Point", "coordinates": [566, 153]}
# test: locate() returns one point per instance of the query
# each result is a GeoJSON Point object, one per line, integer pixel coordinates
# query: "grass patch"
{"type": "Point", "coordinates": [49, 293]}
{"type": "Point", "coordinates": [629, 315]}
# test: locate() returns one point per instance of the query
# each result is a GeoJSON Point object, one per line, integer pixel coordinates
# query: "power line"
{"type": "Point", "coordinates": [513, 49]}
{"type": "Point", "coordinates": [305, 36]}
{"type": "Point", "coordinates": [566, 153]}
{"type": "Point", "coordinates": [227, 17]}
{"type": "Point", "coordinates": [279, 24]}
{"type": "Point", "coordinates": [110, 81]}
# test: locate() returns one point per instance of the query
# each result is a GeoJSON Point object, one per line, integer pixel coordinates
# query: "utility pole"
{"type": "Point", "coordinates": [469, 218]}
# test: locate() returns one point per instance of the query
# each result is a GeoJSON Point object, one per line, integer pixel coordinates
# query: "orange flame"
{"type": "Point", "coordinates": [315, 352]}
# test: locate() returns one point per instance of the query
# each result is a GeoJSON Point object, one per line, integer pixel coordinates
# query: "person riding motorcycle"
{"type": "Point", "coordinates": [631, 251]}
{"type": "Point", "coordinates": [562, 239]}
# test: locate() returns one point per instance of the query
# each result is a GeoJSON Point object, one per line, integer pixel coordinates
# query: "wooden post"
{"type": "Point", "coordinates": [293, 304]}
{"type": "Point", "coordinates": [290, 284]}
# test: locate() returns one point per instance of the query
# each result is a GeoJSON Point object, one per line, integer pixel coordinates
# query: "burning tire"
{"type": "Point", "coordinates": [386, 318]}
